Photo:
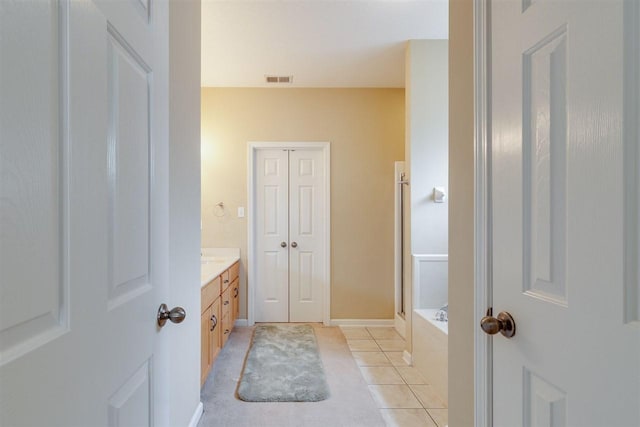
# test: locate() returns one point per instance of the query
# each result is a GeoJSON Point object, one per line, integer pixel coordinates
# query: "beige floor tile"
{"type": "Point", "coordinates": [410, 375]}
{"type": "Point", "coordinates": [428, 397]}
{"type": "Point", "coordinates": [440, 416]}
{"type": "Point", "coordinates": [363, 345]}
{"type": "Point", "coordinates": [356, 333]}
{"type": "Point", "coordinates": [394, 396]}
{"type": "Point", "coordinates": [371, 358]}
{"type": "Point", "coordinates": [396, 358]}
{"type": "Point", "coordinates": [384, 333]}
{"type": "Point", "coordinates": [381, 375]}
{"type": "Point", "coordinates": [407, 418]}
{"type": "Point", "coordinates": [391, 345]}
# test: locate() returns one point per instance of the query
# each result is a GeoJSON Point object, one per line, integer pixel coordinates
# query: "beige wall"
{"type": "Point", "coordinates": [366, 130]}
{"type": "Point", "coordinates": [461, 205]}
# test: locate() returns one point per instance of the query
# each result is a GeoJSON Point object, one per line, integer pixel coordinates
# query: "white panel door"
{"type": "Point", "coordinates": [272, 235]}
{"type": "Point", "coordinates": [307, 230]}
{"type": "Point", "coordinates": [83, 213]}
{"type": "Point", "coordinates": [290, 234]}
{"type": "Point", "coordinates": [564, 111]}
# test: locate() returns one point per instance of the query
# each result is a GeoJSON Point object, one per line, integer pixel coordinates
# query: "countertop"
{"type": "Point", "coordinates": [216, 260]}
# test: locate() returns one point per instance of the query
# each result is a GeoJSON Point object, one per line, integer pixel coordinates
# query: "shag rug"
{"type": "Point", "coordinates": [283, 365]}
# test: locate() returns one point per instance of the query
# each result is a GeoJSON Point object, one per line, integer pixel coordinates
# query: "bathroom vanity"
{"type": "Point", "coordinates": [219, 303]}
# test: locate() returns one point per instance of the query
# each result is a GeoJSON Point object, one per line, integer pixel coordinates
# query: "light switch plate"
{"type": "Point", "coordinates": [241, 212]}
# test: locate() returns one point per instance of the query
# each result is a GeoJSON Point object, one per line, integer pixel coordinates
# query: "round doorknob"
{"type": "Point", "coordinates": [283, 244]}
{"type": "Point", "coordinates": [176, 315]}
{"type": "Point", "coordinates": [504, 324]}
{"type": "Point", "coordinates": [294, 245]}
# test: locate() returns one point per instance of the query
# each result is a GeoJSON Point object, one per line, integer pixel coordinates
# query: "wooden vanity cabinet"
{"type": "Point", "coordinates": [219, 311]}
{"type": "Point", "coordinates": [235, 300]}
{"type": "Point", "coordinates": [226, 315]}
{"type": "Point", "coordinates": [209, 326]}
{"type": "Point", "coordinates": [214, 331]}
{"type": "Point", "coordinates": [205, 338]}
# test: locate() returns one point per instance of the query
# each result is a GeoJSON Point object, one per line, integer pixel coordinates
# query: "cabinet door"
{"type": "Point", "coordinates": [205, 336]}
{"type": "Point", "coordinates": [235, 301]}
{"type": "Point", "coordinates": [215, 343]}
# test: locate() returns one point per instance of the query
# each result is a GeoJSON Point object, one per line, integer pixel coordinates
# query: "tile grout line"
{"type": "Point", "coordinates": [395, 367]}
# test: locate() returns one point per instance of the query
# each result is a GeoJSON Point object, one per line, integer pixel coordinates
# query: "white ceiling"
{"type": "Point", "coordinates": [322, 43]}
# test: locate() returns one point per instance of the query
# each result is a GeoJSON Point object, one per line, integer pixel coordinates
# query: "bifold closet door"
{"type": "Point", "coordinates": [307, 228]}
{"type": "Point", "coordinates": [290, 229]}
{"type": "Point", "coordinates": [272, 236]}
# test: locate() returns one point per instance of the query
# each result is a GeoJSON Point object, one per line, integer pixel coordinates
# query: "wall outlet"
{"type": "Point", "coordinates": [240, 212]}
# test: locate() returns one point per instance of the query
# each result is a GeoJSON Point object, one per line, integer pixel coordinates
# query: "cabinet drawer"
{"type": "Point", "coordinates": [225, 280]}
{"type": "Point", "coordinates": [209, 293]}
{"type": "Point", "coordinates": [225, 303]}
{"type": "Point", "coordinates": [234, 271]}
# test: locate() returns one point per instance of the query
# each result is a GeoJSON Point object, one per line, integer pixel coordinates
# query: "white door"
{"type": "Point", "coordinates": [307, 228]}
{"type": "Point", "coordinates": [83, 214]}
{"type": "Point", "coordinates": [272, 235]}
{"type": "Point", "coordinates": [564, 75]}
{"type": "Point", "coordinates": [291, 227]}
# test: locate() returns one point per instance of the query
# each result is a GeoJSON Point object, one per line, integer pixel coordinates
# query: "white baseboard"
{"type": "Point", "coordinates": [241, 322]}
{"type": "Point", "coordinates": [406, 356]}
{"type": "Point", "coordinates": [195, 419]}
{"type": "Point", "coordinates": [362, 322]}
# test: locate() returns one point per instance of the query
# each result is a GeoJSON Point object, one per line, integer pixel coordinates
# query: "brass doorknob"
{"type": "Point", "coordinates": [176, 315]}
{"type": "Point", "coordinates": [504, 324]}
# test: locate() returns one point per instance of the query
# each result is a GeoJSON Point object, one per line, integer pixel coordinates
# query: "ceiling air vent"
{"type": "Point", "coordinates": [279, 79]}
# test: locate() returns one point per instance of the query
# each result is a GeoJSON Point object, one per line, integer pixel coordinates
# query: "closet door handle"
{"type": "Point", "coordinates": [294, 245]}
{"type": "Point", "coordinates": [283, 244]}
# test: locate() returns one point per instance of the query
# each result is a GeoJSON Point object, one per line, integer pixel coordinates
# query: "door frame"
{"type": "Point", "coordinates": [252, 148]}
{"type": "Point", "coordinates": [483, 296]}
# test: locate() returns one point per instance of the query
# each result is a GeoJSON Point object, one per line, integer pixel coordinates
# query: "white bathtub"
{"type": "Point", "coordinates": [430, 350]}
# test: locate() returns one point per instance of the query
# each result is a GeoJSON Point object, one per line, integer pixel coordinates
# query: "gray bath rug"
{"type": "Point", "coordinates": [283, 365]}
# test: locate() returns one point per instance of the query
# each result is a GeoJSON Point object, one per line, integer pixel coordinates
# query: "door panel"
{"type": "Point", "coordinates": [272, 228]}
{"type": "Point", "coordinates": [84, 201]}
{"type": "Point", "coordinates": [129, 167]}
{"type": "Point", "coordinates": [32, 169]}
{"type": "Point", "coordinates": [544, 167]}
{"type": "Point", "coordinates": [308, 228]}
{"type": "Point", "coordinates": [126, 402]}
{"type": "Point", "coordinates": [557, 145]}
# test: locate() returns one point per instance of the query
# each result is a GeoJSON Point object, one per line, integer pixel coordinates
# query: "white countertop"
{"type": "Point", "coordinates": [216, 260]}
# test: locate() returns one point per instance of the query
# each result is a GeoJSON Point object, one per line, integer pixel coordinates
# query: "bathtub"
{"type": "Point", "coordinates": [430, 350]}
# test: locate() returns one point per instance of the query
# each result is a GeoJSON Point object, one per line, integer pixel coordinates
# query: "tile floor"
{"type": "Point", "coordinates": [404, 398]}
